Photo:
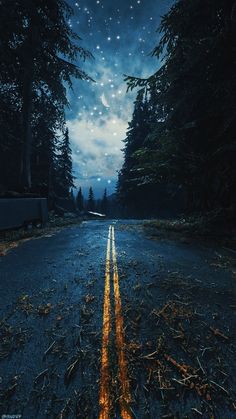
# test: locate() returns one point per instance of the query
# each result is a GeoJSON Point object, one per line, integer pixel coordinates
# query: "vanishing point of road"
{"type": "Point", "coordinates": [105, 320]}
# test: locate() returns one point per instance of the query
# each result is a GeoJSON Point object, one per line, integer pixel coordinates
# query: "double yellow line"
{"type": "Point", "coordinates": [104, 396]}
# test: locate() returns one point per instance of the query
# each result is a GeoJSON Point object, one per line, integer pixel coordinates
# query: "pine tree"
{"type": "Point", "coordinates": [192, 143]}
{"type": "Point", "coordinates": [91, 202]}
{"type": "Point", "coordinates": [64, 168]}
{"type": "Point", "coordinates": [80, 200]}
{"type": "Point", "coordinates": [38, 50]}
{"type": "Point", "coordinates": [139, 128]}
{"type": "Point", "coordinates": [104, 202]}
{"type": "Point", "coordinates": [72, 197]}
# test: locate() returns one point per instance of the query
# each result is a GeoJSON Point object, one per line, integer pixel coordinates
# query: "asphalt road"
{"type": "Point", "coordinates": [104, 320]}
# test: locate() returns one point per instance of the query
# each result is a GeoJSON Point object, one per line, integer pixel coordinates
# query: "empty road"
{"type": "Point", "coordinates": [105, 320]}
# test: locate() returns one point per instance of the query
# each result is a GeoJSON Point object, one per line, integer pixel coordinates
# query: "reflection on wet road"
{"type": "Point", "coordinates": [104, 320]}
{"type": "Point", "coordinates": [105, 397]}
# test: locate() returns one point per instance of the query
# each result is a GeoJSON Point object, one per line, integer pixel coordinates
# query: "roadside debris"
{"type": "Point", "coordinates": [11, 339]}
{"type": "Point", "coordinates": [70, 371]}
{"type": "Point", "coordinates": [178, 355]}
{"type": "Point", "coordinates": [45, 309]}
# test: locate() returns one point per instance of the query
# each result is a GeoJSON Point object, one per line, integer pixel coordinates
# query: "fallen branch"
{"type": "Point", "coordinates": [49, 348]}
{"type": "Point", "coordinates": [149, 356]}
{"type": "Point", "coordinates": [64, 412]}
{"type": "Point", "coordinates": [219, 334]}
{"type": "Point", "coordinates": [200, 365]}
{"type": "Point", "coordinates": [219, 386]}
{"type": "Point", "coordinates": [70, 371]}
{"type": "Point", "coordinates": [41, 374]}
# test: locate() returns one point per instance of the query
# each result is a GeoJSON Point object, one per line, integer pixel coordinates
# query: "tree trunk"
{"type": "Point", "coordinates": [27, 90]}
{"type": "Point", "coordinates": [26, 129]}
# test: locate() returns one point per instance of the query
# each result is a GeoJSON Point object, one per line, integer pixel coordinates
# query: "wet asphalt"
{"type": "Point", "coordinates": [51, 314]}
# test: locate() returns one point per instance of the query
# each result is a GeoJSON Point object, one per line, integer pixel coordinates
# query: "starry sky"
{"type": "Point", "coordinates": [120, 34]}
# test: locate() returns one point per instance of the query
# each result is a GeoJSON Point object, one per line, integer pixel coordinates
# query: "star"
{"type": "Point", "coordinates": [112, 33]}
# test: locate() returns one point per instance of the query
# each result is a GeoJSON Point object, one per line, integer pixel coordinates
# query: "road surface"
{"type": "Point", "coordinates": [102, 320]}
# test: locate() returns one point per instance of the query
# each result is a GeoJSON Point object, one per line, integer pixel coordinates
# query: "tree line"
{"type": "Point", "coordinates": [103, 205]}
{"type": "Point", "coordinates": [38, 52]}
{"type": "Point", "coordinates": [180, 147]}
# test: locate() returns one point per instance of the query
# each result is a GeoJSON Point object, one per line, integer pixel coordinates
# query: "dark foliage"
{"type": "Point", "coordinates": [80, 200]}
{"type": "Point", "coordinates": [104, 203]}
{"type": "Point", "coordinates": [37, 53]}
{"type": "Point", "coordinates": [182, 135]}
{"type": "Point", "coordinates": [91, 201]}
{"type": "Point", "coordinates": [64, 177]}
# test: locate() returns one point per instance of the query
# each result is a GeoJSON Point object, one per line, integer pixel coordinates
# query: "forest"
{"type": "Point", "coordinates": [117, 288]}
{"type": "Point", "coordinates": [38, 51]}
{"type": "Point", "coordinates": [179, 152]}
{"type": "Point", "coordinates": [180, 147]}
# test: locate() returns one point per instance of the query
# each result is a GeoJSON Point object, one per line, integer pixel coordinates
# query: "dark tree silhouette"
{"type": "Point", "coordinates": [38, 49]}
{"type": "Point", "coordinates": [104, 202]}
{"type": "Point", "coordinates": [80, 200]}
{"type": "Point", "coordinates": [64, 166]}
{"type": "Point", "coordinates": [191, 142]}
{"type": "Point", "coordinates": [91, 201]}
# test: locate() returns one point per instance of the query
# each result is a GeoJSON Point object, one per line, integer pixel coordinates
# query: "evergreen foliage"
{"type": "Point", "coordinates": [37, 51]}
{"type": "Point", "coordinates": [64, 167]}
{"type": "Point", "coordinates": [104, 203]}
{"type": "Point", "coordinates": [91, 201]}
{"type": "Point", "coordinates": [80, 200]}
{"type": "Point", "coordinates": [190, 142]}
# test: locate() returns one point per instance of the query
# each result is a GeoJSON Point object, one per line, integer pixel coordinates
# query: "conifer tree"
{"type": "Point", "coordinates": [139, 127]}
{"type": "Point", "coordinates": [64, 166]}
{"type": "Point", "coordinates": [91, 201]}
{"type": "Point", "coordinates": [38, 52]}
{"type": "Point", "coordinates": [80, 200]}
{"type": "Point", "coordinates": [104, 202]}
{"type": "Point", "coordinates": [191, 144]}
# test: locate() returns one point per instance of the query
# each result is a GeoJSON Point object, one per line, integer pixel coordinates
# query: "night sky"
{"type": "Point", "coordinates": [120, 35]}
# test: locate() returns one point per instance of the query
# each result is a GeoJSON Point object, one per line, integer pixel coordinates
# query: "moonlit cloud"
{"type": "Point", "coordinates": [120, 38]}
{"type": "Point", "coordinates": [96, 150]}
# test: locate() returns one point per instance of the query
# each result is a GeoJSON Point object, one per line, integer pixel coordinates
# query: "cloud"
{"type": "Point", "coordinates": [120, 38]}
{"type": "Point", "coordinates": [97, 133]}
{"type": "Point", "coordinates": [97, 147]}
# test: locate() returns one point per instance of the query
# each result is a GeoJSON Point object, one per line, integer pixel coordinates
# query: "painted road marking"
{"type": "Point", "coordinates": [104, 396]}
{"type": "Point", "coordinates": [125, 397]}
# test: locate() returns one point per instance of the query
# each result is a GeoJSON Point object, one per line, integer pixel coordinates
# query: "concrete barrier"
{"type": "Point", "coordinates": [17, 212]}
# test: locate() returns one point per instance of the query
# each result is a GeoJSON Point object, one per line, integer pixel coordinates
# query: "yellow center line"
{"type": "Point", "coordinates": [104, 397]}
{"type": "Point", "coordinates": [125, 397]}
